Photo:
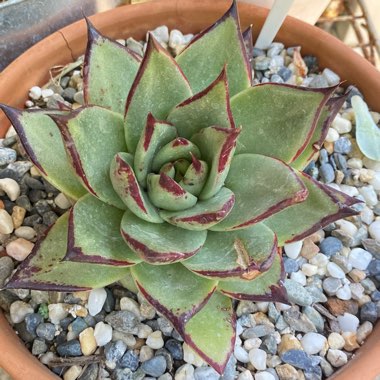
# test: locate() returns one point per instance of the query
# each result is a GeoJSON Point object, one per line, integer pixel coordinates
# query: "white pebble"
{"type": "Point", "coordinates": [292, 250]}
{"type": "Point", "coordinates": [185, 372]}
{"type": "Point", "coordinates": [336, 341]}
{"type": "Point", "coordinates": [341, 125]}
{"type": "Point", "coordinates": [96, 300]}
{"type": "Point", "coordinates": [367, 215]}
{"type": "Point", "coordinates": [6, 222]}
{"type": "Point", "coordinates": [332, 135]}
{"type": "Point", "coordinates": [312, 343]}
{"type": "Point", "coordinates": [102, 333]}
{"type": "Point", "coordinates": [348, 322]}
{"type": "Point", "coordinates": [62, 202]}
{"type": "Point", "coordinates": [35, 93]}
{"type": "Point", "coordinates": [241, 354]}
{"type": "Point", "coordinates": [348, 227]}
{"type": "Point", "coordinates": [72, 373]}
{"type": "Point", "coordinates": [57, 311]}
{"type": "Point", "coordinates": [251, 343]}
{"type": "Point", "coordinates": [309, 269]}
{"type": "Point", "coordinates": [371, 164]}
{"type": "Point", "coordinates": [369, 195]}
{"type": "Point", "coordinates": [374, 230]}
{"type": "Point", "coordinates": [336, 358]}
{"type": "Point", "coordinates": [245, 375]}
{"type": "Point", "coordinates": [299, 277]}
{"type": "Point", "coordinates": [355, 163]}
{"type": "Point", "coordinates": [18, 310]}
{"type": "Point", "coordinates": [25, 232]}
{"type": "Point", "coordinates": [146, 353]}
{"type": "Point", "coordinates": [176, 38]}
{"type": "Point", "coordinates": [335, 271]}
{"type": "Point", "coordinates": [19, 249]}
{"type": "Point", "coordinates": [155, 340]}
{"type": "Point", "coordinates": [331, 77]}
{"type": "Point", "coordinates": [344, 293]}
{"type": "Point", "coordinates": [130, 305]}
{"type": "Point", "coordinates": [144, 331]}
{"type": "Point", "coordinates": [359, 258]}
{"type": "Point", "coordinates": [258, 358]}
{"type": "Point", "coordinates": [161, 33]}
{"type": "Point", "coordinates": [320, 260]}
{"type": "Point", "coordinates": [352, 191]}
{"type": "Point", "coordinates": [264, 376]}
{"type": "Point", "coordinates": [375, 182]}
{"type": "Point", "coordinates": [10, 187]}
{"type": "Point", "coordinates": [47, 92]}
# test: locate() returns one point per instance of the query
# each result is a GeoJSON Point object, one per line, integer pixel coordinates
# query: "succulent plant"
{"type": "Point", "coordinates": [187, 180]}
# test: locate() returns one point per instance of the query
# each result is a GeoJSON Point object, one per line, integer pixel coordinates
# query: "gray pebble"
{"type": "Point", "coordinates": [124, 321]}
{"type": "Point", "coordinates": [165, 326]}
{"type": "Point", "coordinates": [374, 267]}
{"type": "Point", "coordinates": [7, 156]}
{"type": "Point", "coordinates": [169, 360]}
{"type": "Point", "coordinates": [39, 347]}
{"type": "Point", "coordinates": [70, 348]}
{"type": "Point", "coordinates": [175, 348]}
{"type": "Point", "coordinates": [46, 331]}
{"type": "Point", "coordinates": [49, 218]}
{"type": "Point", "coordinates": [316, 294]}
{"type": "Point", "coordinates": [230, 371]}
{"type": "Point", "coordinates": [6, 268]}
{"type": "Point", "coordinates": [273, 313]}
{"type": "Point", "coordinates": [114, 351]}
{"type": "Point", "coordinates": [33, 183]}
{"type": "Point", "coordinates": [129, 360]}
{"type": "Point", "coordinates": [330, 246]}
{"type": "Point", "coordinates": [257, 331]}
{"type": "Point", "coordinates": [32, 320]}
{"type": "Point", "coordinates": [261, 63]}
{"type": "Point", "coordinates": [275, 78]}
{"type": "Point", "coordinates": [331, 285]}
{"type": "Point", "coordinates": [203, 373]}
{"type": "Point", "coordinates": [315, 318]}
{"type": "Point", "coordinates": [342, 145]}
{"type": "Point", "coordinates": [275, 48]}
{"type": "Point", "coordinates": [78, 325]}
{"type": "Point", "coordinates": [68, 94]}
{"type": "Point", "coordinates": [90, 373]}
{"type": "Point", "coordinates": [297, 358]}
{"type": "Point", "coordinates": [284, 73]}
{"type": "Point", "coordinates": [258, 52]}
{"type": "Point", "coordinates": [297, 293]}
{"type": "Point", "coordinates": [23, 201]}
{"type": "Point", "coordinates": [154, 367]}
{"type": "Point", "coordinates": [327, 173]}
{"type": "Point", "coordinates": [326, 367]}
{"type": "Point", "coordinates": [123, 374]}
{"type": "Point", "coordinates": [318, 81]}
{"type": "Point", "coordinates": [298, 321]}
{"type": "Point", "coordinates": [269, 345]}
{"type": "Point", "coordinates": [291, 265]}
{"type": "Point", "coordinates": [368, 312]}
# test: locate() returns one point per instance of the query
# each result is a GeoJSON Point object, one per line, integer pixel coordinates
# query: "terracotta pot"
{"type": "Point", "coordinates": [189, 16]}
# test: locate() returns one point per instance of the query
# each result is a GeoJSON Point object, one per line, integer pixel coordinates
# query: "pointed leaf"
{"type": "Point", "coordinates": [217, 146]}
{"type": "Point", "coordinates": [45, 269]}
{"type": "Point", "coordinates": [273, 113]}
{"type": "Point", "coordinates": [248, 42]}
{"type": "Point", "coordinates": [204, 214]}
{"type": "Point", "coordinates": [92, 136]}
{"type": "Point", "coordinates": [323, 205]}
{"type": "Point", "coordinates": [167, 194]}
{"type": "Point", "coordinates": [367, 132]}
{"type": "Point", "coordinates": [155, 135]}
{"type": "Point", "coordinates": [42, 141]}
{"type": "Point", "coordinates": [208, 52]}
{"type": "Point", "coordinates": [211, 332]}
{"type": "Point", "coordinates": [195, 177]}
{"type": "Point", "coordinates": [209, 107]}
{"type": "Point", "coordinates": [268, 286]}
{"type": "Point", "coordinates": [160, 243]}
{"type": "Point", "coordinates": [242, 253]}
{"type": "Point", "coordinates": [109, 70]}
{"type": "Point", "coordinates": [158, 87]}
{"type": "Point", "coordinates": [94, 234]}
{"type": "Point", "coordinates": [262, 186]}
{"type": "Point", "coordinates": [128, 282]}
{"type": "Point", "coordinates": [126, 186]}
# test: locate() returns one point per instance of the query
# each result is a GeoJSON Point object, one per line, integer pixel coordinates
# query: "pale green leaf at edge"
{"type": "Point", "coordinates": [206, 55]}
{"type": "Point", "coordinates": [211, 332]}
{"type": "Point", "coordinates": [43, 143]}
{"type": "Point", "coordinates": [94, 234]}
{"type": "Point", "coordinates": [109, 70]}
{"type": "Point", "coordinates": [367, 132]}
{"type": "Point", "coordinates": [44, 269]}
{"type": "Point", "coordinates": [128, 282]}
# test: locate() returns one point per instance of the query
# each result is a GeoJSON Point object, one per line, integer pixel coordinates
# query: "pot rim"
{"type": "Point", "coordinates": [68, 43]}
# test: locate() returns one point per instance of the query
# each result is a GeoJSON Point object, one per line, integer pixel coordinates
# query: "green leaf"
{"type": "Point", "coordinates": [219, 45]}
{"type": "Point", "coordinates": [367, 132]}
{"type": "Point", "coordinates": [128, 282]}
{"type": "Point", "coordinates": [94, 234]}
{"type": "Point", "coordinates": [271, 114]}
{"type": "Point", "coordinates": [158, 87]}
{"type": "Point", "coordinates": [195, 176]}
{"type": "Point", "coordinates": [217, 146]}
{"type": "Point", "coordinates": [92, 136]}
{"type": "Point", "coordinates": [330, 110]}
{"type": "Point", "coordinates": [204, 214]}
{"type": "Point", "coordinates": [211, 331]}
{"type": "Point", "coordinates": [165, 193]}
{"type": "Point", "coordinates": [209, 107]}
{"type": "Point", "coordinates": [242, 253]}
{"type": "Point", "coordinates": [109, 70]}
{"type": "Point", "coordinates": [160, 243]}
{"type": "Point", "coordinates": [42, 141]}
{"type": "Point", "coordinates": [155, 135]}
{"type": "Point", "coordinates": [323, 206]}
{"type": "Point", "coordinates": [248, 42]}
{"type": "Point", "coordinates": [126, 186]}
{"type": "Point", "coordinates": [268, 286]}
{"type": "Point", "coordinates": [262, 186]}
{"type": "Point", "coordinates": [45, 269]}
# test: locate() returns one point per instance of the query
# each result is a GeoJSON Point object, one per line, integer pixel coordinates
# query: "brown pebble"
{"type": "Point", "coordinates": [18, 215]}
{"type": "Point", "coordinates": [286, 372]}
{"type": "Point", "coordinates": [317, 236]}
{"type": "Point", "coordinates": [351, 343]}
{"type": "Point", "coordinates": [339, 307]}
{"type": "Point", "coordinates": [1, 204]}
{"type": "Point", "coordinates": [139, 343]}
{"type": "Point", "coordinates": [288, 342]}
{"type": "Point", "coordinates": [329, 146]}
{"type": "Point", "coordinates": [363, 331]}
{"type": "Point", "coordinates": [357, 275]}
{"type": "Point", "coordinates": [309, 249]}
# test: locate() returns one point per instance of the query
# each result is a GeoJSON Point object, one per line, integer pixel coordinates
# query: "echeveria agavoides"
{"type": "Point", "coordinates": [186, 179]}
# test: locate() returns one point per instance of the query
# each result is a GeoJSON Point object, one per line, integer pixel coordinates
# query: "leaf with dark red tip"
{"type": "Point", "coordinates": [195, 176]}
{"type": "Point", "coordinates": [262, 186]}
{"type": "Point", "coordinates": [209, 107]}
{"type": "Point", "coordinates": [160, 243]}
{"type": "Point", "coordinates": [220, 44]}
{"type": "Point", "coordinates": [45, 269]}
{"type": "Point", "coordinates": [217, 147]}
{"type": "Point", "coordinates": [159, 85]}
{"type": "Point", "coordinates": [42, 141]}
{"type": "Point", "coordinates": [109, 70]}
{"type": "Point", "coordinates": [236, 254]}
{"type": "Point", "coordinates": [323, 206]}
{"type": "Point", "coordinates": [92, 136]}
{"type": "Point", "coordinates": [204, 214]}
{"type": "Point", "coordinates": [212, 331]}
{"type": "Point", "coordinates": [94, 234]}
{"type": "Point", "coordinates": [268, 286]}
{"type": "Point", "coordinates": [278, 120]}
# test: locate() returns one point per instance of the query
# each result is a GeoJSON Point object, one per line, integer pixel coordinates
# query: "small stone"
{"type": "Point", "coordinates": [309, 270]}
{"type": "Point", "coordinates": [25, 232]}
{"type": "Point", "coordinates": [202, 373]}
{"type": "Point", "coordinates": [319, 81]}
{"type": "Point", "coordinates": [102, 333]}
{"type": "Point", "coordinates": [72, 373]}
{"type": "Point", "coordinates": [286, 372]}
{"type": "Point", "coordinates": [146, 353]}
{"type": "Point", "coordinates": [19, 249]}
{"type": "Point", "coordinates": [62, 202]}
{"type": "Point", "coordinates": [335, 271]}
{"type": "Point", "coordinates": [70, 348]}
{"type": "Point", "coordinates": [114, 351]}
{"type": "Point", "coordinates": [299, 277]}
{"type": "Point", "coordinates": [128, 339]}
{"type": "Point", "coordinates": [245, 375]}
{"type": "Point", "coordinates": [185, 372]}
{"type": "Point", "coordinates": [290, 265]}
{"type": "Point", "coordinates": [124, 321]}
{"type": "Point", "coordinates": [309, 249]}
{"type": "Point", "coordinates": [288, 342]}
{"type": "Point", "coordinates": [176, 38]}
{"type": "Point", "coordinates": [316, 294]}
{"type": "Point", "coordinates": [373, 229]}
{"type": "Point", "coordinates": [258, 331]}
{"type": "Point", "coordinates": [348, 322]}
{"type": "Point", "coordinates": [336, 341]}
{"type": "Point", "coordinates": [344, 293]}
{"type": "Point", "coordinates": [144, 331]}
{"type": "Point", "coordinates": [155, 340]}
{"type": "Point", "coordinates": [130, 360]}
{"type": "Point", "coordinates": [265, 375]}
{"type": "Point", "coordinates": [327, 173]}
{"type": "Point", "coordinates": [336, 358]}
{"type": "Point", "coordinates": [364, 331]}
{"type": "Point", "coordinates": [241, 354]}
{"type": "Point", "coordinates": [284, 73]}
{"type": "Point", "coordinates": [350, 341]}
{"type": "Point", "coordinates": [292, 250]}
{"type": "Point", "coordinates": [368, 312]}
{"type": "Point", "coordinates": [312, 343]}
{"type": "Point", "coordinates": [332, 78]}
{"type": "Point", "coordinates": [161, 33]}
{"type": "Point", "coordinates": [6, 222]}
{"type": "Point", "coordinates": [10, 187]}
{"type": "Point", "coordinates": [360, 258]}
{"type": "Point", "coordinates": [87, 340]}
{"type": "Point", "coordinates": [297, 358]}
{"type": "Point", "coordinates": [297, 293]}
{"type": "Point", "coordinates": [298, 321]}
{"type": "Point", "coordinates": [315, 317]}
{"type": "Point", "coordinates": [77, 326]}
{"type": "Point", "coordinates": [96, 300]}
{"type": "Point", "coordinates": [332, 135]}
{"type": "Point", "coordinates": [330, 246]}
{"type": "Point", "coordinates": [6, 268]}
{"type": "Point", "coordinates": [154, 367]}
{"type": "Point", "coordinates": [19, 310]}
{"type": "Point", "coordinates": [46, 331]}
{"type": "Point", "coordinates": [261, 63]}
{"type": "Point", "coordinates": [147, 311]}
{"type": "Point", "coordinates": [331, 285]}
{"type": "Point", "coordinates": [341, 125]}
{"type": "Point", "coordinates": [18, 215]}
{"type": "Point", "coordinates": [39, 347]}
{"type": "Point", "coordinates": [175, 349]}
{"type": "Point", "coordinates": [258, 358]}
{"type": "Point", "coordinates": [32, 321]}
{"type": "Point", "coordinates": [130, 305]}
{"type": "Point", "coordinates": [35, 93]}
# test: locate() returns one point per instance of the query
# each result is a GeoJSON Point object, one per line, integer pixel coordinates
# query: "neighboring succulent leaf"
{"type": "Point", "coordinates": [209, 51]}
{"type": "Point", "coordinates": [155, 135]}
{"type": "Point", "coordinates": [209, 107]}
{"type": "Point", "coordinates": [195, 176]}
{"type": "Point", "coordinates": [217, 146]}
{"type": "Point", "coordinates": [268, 286]}
{"type": "Point", "coordinates": [262, 186]}
{"type": "Point", "coordinates": [42, 141]}
{"type": "Point", "coordinates": [367, 132]}
{"type": "Point", "coordinates": [211, 332]}
{"type": "Point", "coordinates": [126, 186]}
{"type": "Point", "coordinates": [204, 214]}
{"type": "Point", "coordinates": [109, 70]}
{"type": "Point", "coordinates": [94, 234]}
{"type": "Point", "coordinates": [248, 42]}
{"type": "Point", "coordinates": [277, 120]}
{"type": "Point", "coordinates": [158, 87]}
{"type": "Point", "coordinates": [242, 253]}
{"type": "Point", "coordinates": [165, 193]}
{"type": "Point", "coordinates": [128, 282]}
{"type": "Point", "coordinates": [45, 269]}
{"type": "Point", "coordinates": [323, 205]}
{"type": "Point", "coordinates": [160, 243]}
{"type": "Point", "coordinates": [330, 110]}
{"type": "Point", "coordinates": [92, 136]}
